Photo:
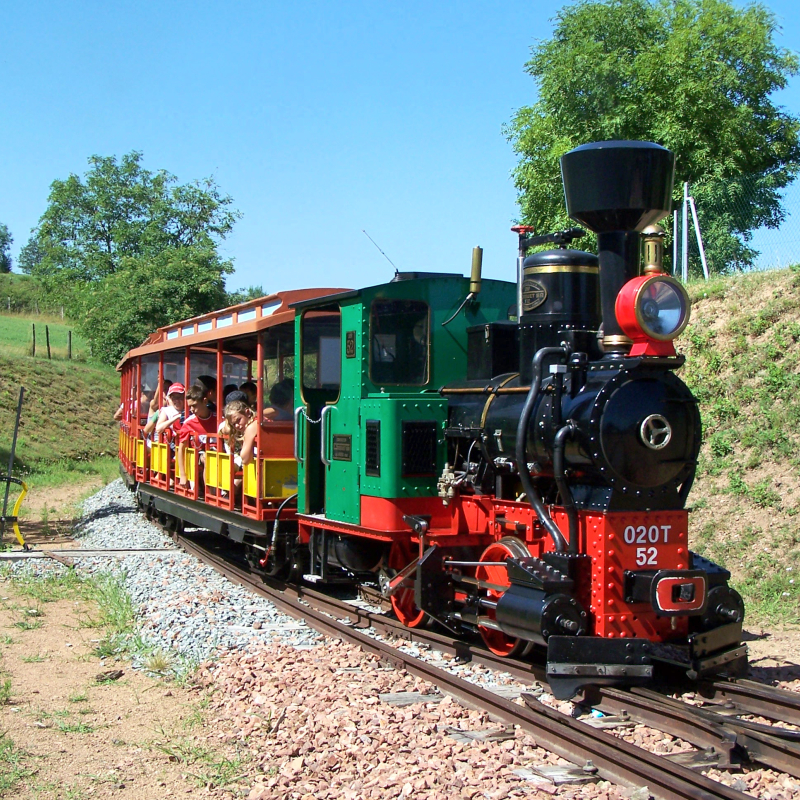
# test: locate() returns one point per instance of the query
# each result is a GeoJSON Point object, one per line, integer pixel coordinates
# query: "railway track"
{"type": "Point", "coordinates": [716, 725]}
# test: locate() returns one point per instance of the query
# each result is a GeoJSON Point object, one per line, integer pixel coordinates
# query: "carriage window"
{"type": "Point", "coordinates": [278, 343]}
{"type": "Point", "coordinates": [202, 361]}
{"type": "Point", "coordinates": [174, 363]}
{"type": "Point", "coordinates": [234, 368]}
{"type": "Point", "coordinates": [399, 335]}
{"type": "Point", "coordinates": [322, 350]}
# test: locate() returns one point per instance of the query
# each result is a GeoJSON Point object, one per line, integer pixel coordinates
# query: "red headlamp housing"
{"type": "Point", "coordinates": [652, 310]}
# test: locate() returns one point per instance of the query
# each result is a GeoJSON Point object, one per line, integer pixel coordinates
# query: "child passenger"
{"type": "Point", "coordinates": [281, 397]}
{"type": "Point", "coordinates": [195, 430]}
{"type": "Point", "coordinates": [243, 428]}
{"type": "Point", "coordinates": [171, 415]}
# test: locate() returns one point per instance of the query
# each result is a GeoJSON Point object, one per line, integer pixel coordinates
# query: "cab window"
{"type": "Point", "coordinates": [321, 350]}
{"type": "Point", "coordinates": [399, 342]}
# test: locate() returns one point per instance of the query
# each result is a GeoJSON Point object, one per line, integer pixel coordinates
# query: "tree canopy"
{"type": "Point", "coordinates": [6, 240]}
{"type": "Point", "coordinates": [126, 250]}
{"type": "Point", "coordinates": [693, 75]}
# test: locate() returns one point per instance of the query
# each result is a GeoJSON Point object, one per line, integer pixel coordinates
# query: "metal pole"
{"type": "Point", "coordinates": [675, 242]}
{"type": "Point", "coordinates": [685, 234]}
{"type": "Point", "coordinates": [11, 462]}
{"type": "Point", "coordinates": [699, 237]}
{"type": "Point", "coordinates": [47, 337]}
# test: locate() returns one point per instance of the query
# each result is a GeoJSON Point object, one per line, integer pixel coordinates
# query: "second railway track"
{"type": "Point", "coordinates": [717, 728]}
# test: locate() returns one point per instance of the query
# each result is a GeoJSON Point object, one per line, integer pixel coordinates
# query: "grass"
{"type": "Point", "coordinates": [13, 765]}
{"type": "Point", "coordinates": [110, 609]}
{"type": "Point", "coordinates": [66, 427]}
{"type": "Point", "coordinates": [38, 658]}
{"type": "Point", "coordinates": [742, 353]}
{"type": "Point", "coordinates": [207, 767]}
{"type": "Point", "coordinates": [16, 335]}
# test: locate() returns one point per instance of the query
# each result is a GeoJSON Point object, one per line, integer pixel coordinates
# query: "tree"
{"type": "Point", "coordinates": [6, 240]}
{"type": "Point", "coordinates": [693, 75]}
{"type": "Point", "coordinates": [119, 225]}
{"type": "Point", "coordinates": [243, 295]}
{"type": "Point", "coordinates": [141, 295]}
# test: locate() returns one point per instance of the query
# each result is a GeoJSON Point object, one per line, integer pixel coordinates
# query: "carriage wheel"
{"type": "Point", "coordinates": [403, 604]}
{"type": "Point", "coordinates": [498, 642]}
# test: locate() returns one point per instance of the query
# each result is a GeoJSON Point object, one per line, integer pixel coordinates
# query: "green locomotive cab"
{"type": "Point", "coordinates": [369, 417]}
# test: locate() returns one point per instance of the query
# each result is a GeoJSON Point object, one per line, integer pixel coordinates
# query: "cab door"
{"type": "Point", "coordinates": [317, 391]}
{"type": "Point", "coordinates": [340, 428]}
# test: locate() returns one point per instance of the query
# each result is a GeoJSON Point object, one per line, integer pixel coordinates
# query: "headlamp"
{"type": "Point", "coordinates": [652, 310]}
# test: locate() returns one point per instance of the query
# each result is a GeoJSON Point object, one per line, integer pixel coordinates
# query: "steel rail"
{"type": "Point", "coordinates": [615, 759]}
{"type": "Point", "coordinates": [670, 718]}
{"type": "Point", "coordinates": [749, 697]}
{"type": "Point", "coordinates": [767, 744]}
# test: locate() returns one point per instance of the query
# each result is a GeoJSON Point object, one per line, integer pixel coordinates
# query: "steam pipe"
{"type": "Point", "coordinates": [522, 440]}
{"type": "Point", "coordinates": [561, 482]}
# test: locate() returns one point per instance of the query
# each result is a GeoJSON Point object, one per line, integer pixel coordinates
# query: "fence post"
{"type": "Point", "coordinates": [47, 337]}
{"type": "Point", "coordinates": [62, 312]}
{"type": "Point", "coordinates": [33, 325]}
{"type": "Point", "coordinates": [69, 345]}
{"type": "Point", "coordinates": [685, 235]}
{"type": "Point", "coordinates": [9, 304]}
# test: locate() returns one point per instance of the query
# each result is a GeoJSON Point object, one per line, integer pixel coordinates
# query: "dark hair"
{"type": "Point", "coordinates": [281, 393]}
{"type": "Point", "coordinates": [234, 396]}
{"type": "Point", "coordinates": [196, 392]}
{"type": "Point", "coordinates": [207, 381]}
{"type": "Point", "coordinates": [227, 389]}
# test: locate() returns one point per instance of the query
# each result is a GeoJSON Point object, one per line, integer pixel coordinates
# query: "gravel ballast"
{"type": "Point", "coordinates": [307, 710]}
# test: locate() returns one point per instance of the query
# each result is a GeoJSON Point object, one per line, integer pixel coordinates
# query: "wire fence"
{"type": "Point", "coordinates": [780, 247]}
{"type": "Point", "coordinates": [767, 247]}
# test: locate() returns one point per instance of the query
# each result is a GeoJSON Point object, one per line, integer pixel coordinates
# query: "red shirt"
{"type": "Point", "coordinates": [197, 429]}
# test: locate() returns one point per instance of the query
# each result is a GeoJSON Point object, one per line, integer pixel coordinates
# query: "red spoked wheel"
{"type": "Point", "coordinates": [498, 642]}
{"type": "Point", "coordinates": [403, 604]}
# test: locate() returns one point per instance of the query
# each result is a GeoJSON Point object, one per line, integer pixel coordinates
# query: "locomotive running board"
{"type": "Point", "coordinates": [577, 661]}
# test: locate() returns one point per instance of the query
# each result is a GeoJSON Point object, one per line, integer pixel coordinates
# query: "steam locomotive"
{"type": "Point", "coordinates": [508, 459]}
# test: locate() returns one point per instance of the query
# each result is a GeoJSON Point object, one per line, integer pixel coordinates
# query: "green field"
{"type": "Point", "coordinates": [66, 431]}
{"type": "Point", "coordinates": [16, 337]}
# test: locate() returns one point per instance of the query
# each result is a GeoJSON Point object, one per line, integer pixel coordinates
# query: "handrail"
{"type": "Point", "coordinates": [298, 413]}
{"type": "Point", "coordinates": [323, 435]}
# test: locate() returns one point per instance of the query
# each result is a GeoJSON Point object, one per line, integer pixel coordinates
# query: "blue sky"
{"type": "Point", "coordinates": [321, 119]}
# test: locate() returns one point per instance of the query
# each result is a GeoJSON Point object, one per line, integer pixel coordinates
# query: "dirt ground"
{"type": "Point", "coordinates": [138, 737]}
{"type": "Point", "coordinates": [86, 735]}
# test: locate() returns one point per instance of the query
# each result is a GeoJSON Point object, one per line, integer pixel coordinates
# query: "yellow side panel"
{"type": "Point", "coordinates": [224, 460]}
{"type": "Point", "coordinates": [189, 463]}
{"type": "Point", "coordinates": [159, 458]}
{"type": "Point", "coordinates": [249, 480]}
{"type": "Point", "coordinates": [141, 452]}
{"type": "Point", "coordinates": [280, 477]}
{"type": "Point", "coordinates": [218, 470]}
{"type": "Point", "coordinates": [212, 468]}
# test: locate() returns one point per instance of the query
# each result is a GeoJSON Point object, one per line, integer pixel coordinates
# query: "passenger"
{"type": "Point", "coordinates": [226, 390]}
{"type": "Point", "coordinates": [156, 404]}
{"type": "Point", "coordinates": [281, 398]}
{"type": "Point", "coordinates": [196, 429]}
{"type": "Point", "coordinates": [243, 424]}
{"type": "Point", "coordinates": [236, 395]}
{"type": "Point", "coordinates": [209, 384]}
{"type": "Point", "coordinates": [224, 429]}
{"type": "Point", "coordinates": [171, 416]}
{"type": "Point", "coordinates": [251, 390]}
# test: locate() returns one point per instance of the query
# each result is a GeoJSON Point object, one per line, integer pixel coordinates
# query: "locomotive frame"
{"type": "Point", "coordinates": [510, 459]}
